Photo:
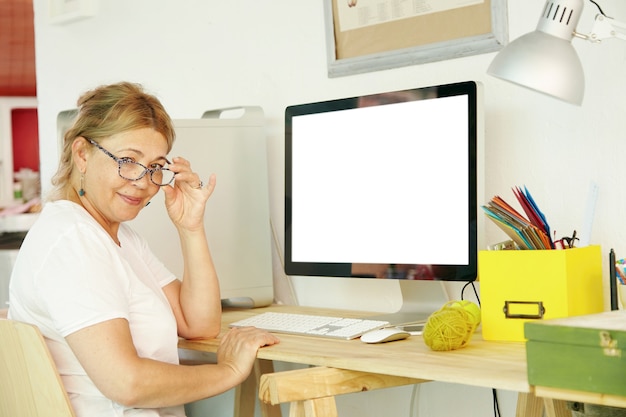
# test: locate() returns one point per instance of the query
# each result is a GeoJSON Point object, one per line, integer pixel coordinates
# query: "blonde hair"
{"type": "Point", "coordinates": [103, 112]}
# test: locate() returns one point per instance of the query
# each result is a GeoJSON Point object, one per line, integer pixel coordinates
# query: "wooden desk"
{"type": "Point", "coordinates": [352, 366]}
{"type": "Point", "coordinates": [580, 396]}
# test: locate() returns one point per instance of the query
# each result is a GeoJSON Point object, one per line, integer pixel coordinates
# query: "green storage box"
{"type": "Point", "coordinates": [582, 353]}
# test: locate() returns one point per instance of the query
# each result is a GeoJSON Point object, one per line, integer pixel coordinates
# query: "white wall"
{"type": "Point", "coordinates": [199, 54]}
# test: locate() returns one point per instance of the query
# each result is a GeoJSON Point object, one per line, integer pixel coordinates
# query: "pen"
{"type": "Point", "coordinates": [613, 280]}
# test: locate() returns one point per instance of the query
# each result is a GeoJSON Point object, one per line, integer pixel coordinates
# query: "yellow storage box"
{"type": "Point", "coordinates": [517, 286]}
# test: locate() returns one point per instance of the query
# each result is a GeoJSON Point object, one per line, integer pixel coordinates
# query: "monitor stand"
{"type": "Point", "coordinates": [420, 299]}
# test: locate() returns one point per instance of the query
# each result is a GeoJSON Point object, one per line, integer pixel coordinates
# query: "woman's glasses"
{"type": "Point", "coordinates": [133, 171]}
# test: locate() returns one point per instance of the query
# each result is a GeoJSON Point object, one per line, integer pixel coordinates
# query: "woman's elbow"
{"type": "Point", "coordinates": [209, 331]}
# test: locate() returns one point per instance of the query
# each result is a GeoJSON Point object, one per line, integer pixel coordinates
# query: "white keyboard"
{"type": "Point", "coordinates": [310, 325]}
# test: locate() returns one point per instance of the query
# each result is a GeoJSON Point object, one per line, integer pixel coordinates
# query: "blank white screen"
{"type": "Point", "coordinates": [382, 184]}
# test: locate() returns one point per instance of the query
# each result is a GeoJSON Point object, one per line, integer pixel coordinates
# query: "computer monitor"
{"type": "Point", "coordinates": [384, 186]}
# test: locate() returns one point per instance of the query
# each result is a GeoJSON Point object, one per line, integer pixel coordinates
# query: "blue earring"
{"type": "Point", "coordinates": [81, 192]}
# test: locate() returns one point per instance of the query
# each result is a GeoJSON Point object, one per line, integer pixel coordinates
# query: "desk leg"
{"type": "Point", "coordinates": [262, 367]}
{"type": "Point", "coordinates": [319, 407]}
{"type": "Point", "coordinates": [528, 405]}
{"type": "Point", "coordinates": [246, 393]}
{"type": "Point", "coordinates": [556, 408]}
{"type": "Point", "coordinates": [311, 391]}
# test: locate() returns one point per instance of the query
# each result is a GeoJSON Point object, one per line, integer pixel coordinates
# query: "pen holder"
{"type": "Point", "coordinates": [517, 286]}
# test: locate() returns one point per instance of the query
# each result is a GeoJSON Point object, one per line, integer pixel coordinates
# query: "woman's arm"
{"type": "Point", "coordinates": [107, 354]}
{"type": "Point", "coordinates": [195, 300]}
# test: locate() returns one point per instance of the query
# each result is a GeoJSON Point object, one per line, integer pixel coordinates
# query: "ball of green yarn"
{"type": "Point", "coordinates": [470, 307]}
{"type": "Point", "coordinates": [449, 328]}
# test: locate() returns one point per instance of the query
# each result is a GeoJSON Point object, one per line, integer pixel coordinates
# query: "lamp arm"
{"type": "Point", "coordinates": [605, 27]}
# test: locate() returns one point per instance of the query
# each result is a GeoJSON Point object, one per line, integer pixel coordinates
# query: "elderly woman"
{"type": "Point", "coordinates": [110, 312]}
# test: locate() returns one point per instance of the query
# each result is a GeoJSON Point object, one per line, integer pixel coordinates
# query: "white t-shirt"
{"type": "Point", "coordinates": [70, 274]}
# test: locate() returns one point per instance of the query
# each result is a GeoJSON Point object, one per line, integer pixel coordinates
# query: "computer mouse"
{"type": "Point", "coordinates": [387, 334]}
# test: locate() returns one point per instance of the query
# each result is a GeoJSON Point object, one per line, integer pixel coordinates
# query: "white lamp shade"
{"type": "Point", "coordinates": [544, 63]}
{"type": "Point", "coordinates": [545, 60]}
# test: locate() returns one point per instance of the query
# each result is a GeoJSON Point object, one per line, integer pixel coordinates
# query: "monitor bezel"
{"type": "Point", "coordinates": [443, 272]}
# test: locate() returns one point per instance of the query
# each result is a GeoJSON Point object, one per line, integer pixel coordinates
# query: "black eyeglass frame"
{"type": "Point", "coordinates": [122, 161]}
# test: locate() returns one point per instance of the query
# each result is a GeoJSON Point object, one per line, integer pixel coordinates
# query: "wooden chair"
{"type": "Point", "coordinates": [30, 384]}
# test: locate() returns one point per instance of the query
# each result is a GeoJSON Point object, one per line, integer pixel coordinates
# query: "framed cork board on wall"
{"type": "Point", "coordinates": [372, 35]}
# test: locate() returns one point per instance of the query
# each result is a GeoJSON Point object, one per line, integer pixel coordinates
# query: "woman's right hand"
{"type": "Point", "coordinates": [238, 349]}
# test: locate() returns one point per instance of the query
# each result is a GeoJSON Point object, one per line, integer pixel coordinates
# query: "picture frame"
{"type": "Point", "coordinates": [462, 31]}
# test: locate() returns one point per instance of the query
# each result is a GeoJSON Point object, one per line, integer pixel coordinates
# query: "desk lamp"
{"type": "Point", "coordinates": [545, 60]}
